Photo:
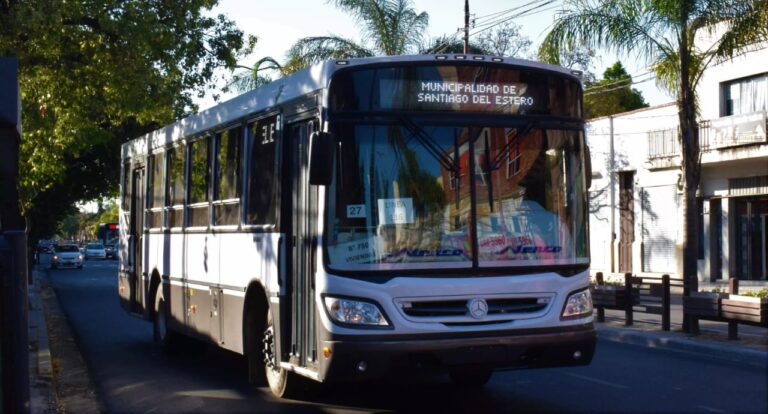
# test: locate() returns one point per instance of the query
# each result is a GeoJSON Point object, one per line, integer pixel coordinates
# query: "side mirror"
{"type": "Point", "coordinates": [322, 148]}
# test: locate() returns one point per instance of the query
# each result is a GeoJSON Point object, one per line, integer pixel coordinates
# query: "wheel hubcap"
{"type": "Point", "coordinates": [269, 349]}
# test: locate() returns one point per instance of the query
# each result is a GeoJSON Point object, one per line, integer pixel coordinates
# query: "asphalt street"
{"type": "Point", "coordinates": [132, 375]}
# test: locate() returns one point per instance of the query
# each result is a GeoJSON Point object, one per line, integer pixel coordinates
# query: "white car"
{"type": "Point", "coordinates": [66, 255]}
{"type": "Point", "coordinates": [95, 251]}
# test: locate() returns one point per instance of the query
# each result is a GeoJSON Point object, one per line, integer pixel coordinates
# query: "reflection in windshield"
{"type": "Point", "coordinates": [402, 197]}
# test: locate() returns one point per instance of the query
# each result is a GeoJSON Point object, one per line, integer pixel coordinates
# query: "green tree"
{"type": "Point", "coordinates": [253, 77]}
{"type": "Point", "coordinates": [664, 33]}
{"type": "Point", "coordinates": [613, 94]}
{"type": "Point", "coordinates": [95, 74]}
{"type": "Point", "coordinates": [578, 57]}
{"type": "Point", "coordinates": [389, 27]}
{"type": "Point", "coordinates": [503, 40]}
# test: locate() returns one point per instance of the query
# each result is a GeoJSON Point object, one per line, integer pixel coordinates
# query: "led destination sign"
{"type": "Point", "coordinates": [464, 88]}
{"type": "Point", "coordinates": [441, 92]}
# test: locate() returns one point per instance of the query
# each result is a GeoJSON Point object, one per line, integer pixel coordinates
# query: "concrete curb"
{"type": "Point", "coordinates": [679, 342]}
{"type": "Point", "coordinates": [71, 387]}
{"type": "Point", "coordinates": [42, 395]}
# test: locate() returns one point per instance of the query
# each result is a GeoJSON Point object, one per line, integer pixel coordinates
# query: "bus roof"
{"type": "Point", "coordinates": [293, 86]}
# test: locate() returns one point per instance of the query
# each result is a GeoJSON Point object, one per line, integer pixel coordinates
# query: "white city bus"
{"type": "Point", "coordinates": [369, 216]}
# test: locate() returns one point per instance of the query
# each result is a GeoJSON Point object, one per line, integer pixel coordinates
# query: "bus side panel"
{"type": "Point", "coordinates": [153, 260]}
{"type": "Point", "coordinates": [174, 265]}
{"type": "Point", "coordinates": [245, 257]}
{"type": "Point", "coordinates": [202, 275]}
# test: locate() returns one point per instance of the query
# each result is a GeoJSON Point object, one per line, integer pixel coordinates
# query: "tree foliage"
{"type": "Point", "coordinates": [94, 74]}
{"type": "Point", "coordinates": [389, 27]}
{"type": "Point", "coordinates": [503, 40]}
{"type": "Point", "coordinates": [613, 94]}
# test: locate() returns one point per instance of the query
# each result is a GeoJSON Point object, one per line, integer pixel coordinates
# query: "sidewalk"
{"type": "Point", "coordinates": [61, 383]}
{"type": "Point", "coordinates": [59, 378]}
{"type": "Point", "coordinates": [751, 348]}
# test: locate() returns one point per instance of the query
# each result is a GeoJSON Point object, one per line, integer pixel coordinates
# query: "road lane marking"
{"type": "Point", "coordinates": [599, 381]}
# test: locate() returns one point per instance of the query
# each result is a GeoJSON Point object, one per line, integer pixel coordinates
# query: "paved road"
{"type": "Point", "coordinates": [132, 375]}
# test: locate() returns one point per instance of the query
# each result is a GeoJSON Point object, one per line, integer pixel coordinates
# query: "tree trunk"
{"type": "Point", "coordinates": [691, 173]}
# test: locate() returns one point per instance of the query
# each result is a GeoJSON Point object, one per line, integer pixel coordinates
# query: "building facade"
{"type": "Point", "coordinates": [636, 217]}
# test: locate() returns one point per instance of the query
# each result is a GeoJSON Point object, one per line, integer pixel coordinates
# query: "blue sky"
{"type": "Point", "coordinates": [279, 23]}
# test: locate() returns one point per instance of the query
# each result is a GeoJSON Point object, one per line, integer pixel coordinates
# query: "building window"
{"type": "Point", "coordinates": [513, 160]}
{"type": "Point", "coordinates": [745, 96]}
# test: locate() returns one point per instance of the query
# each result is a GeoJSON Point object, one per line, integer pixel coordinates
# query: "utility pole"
{"type": "Point", "coordinates": [466, 26]}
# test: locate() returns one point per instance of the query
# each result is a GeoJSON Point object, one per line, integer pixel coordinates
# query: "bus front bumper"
{"type": "Point", "coordinates": [354, 358]}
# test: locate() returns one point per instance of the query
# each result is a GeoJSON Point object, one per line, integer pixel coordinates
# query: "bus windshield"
{"type": "Point", "coordinates": [408, 196]}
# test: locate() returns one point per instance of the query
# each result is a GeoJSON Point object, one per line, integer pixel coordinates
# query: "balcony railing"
{"type": "Point", "coordinates": [725, 132]}
{"type": "Point", "coordinates": [732, 131]}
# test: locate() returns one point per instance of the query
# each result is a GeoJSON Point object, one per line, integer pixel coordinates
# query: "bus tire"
{"type": "Point", "coordinates": [282, 383]}
{"type": "Point", "coordinates": [167, 338]}
{"type": "Point", "coordinates": [474, 377]}
{"type": "Point", "coordinates": [254, 353]}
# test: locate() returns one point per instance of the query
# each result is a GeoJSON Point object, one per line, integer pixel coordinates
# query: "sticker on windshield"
{"type": "Point", "coordinates": [395, 210]}
{"type": "Point", "coordinates": [356, 251]}
{"type": "Point", "coordinates": [356, 211]}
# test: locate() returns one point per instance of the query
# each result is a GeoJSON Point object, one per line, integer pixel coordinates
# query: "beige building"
{"type": "Point", "coordinates": [636, 221]}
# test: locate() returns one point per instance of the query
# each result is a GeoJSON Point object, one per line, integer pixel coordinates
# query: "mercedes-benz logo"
{"type": "Point", "coordinates": [478, 308]}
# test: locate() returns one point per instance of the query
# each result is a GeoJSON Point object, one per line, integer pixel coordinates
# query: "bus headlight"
{"type": "Point", "coordinates": [354, 312]}
{"type": "Point", "coordinates": [578, 305]}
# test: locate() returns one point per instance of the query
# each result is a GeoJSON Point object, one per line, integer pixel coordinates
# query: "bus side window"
{"type": "Point", "coordinates": [226, 205]}
{"type": "Point", "coordinates": [199, 182]}
{"type": "Point", "coordinates": [125, 183]}
{"type": "Point", "coordinates": [262, 177]}
{"type": "Point", "coordinates": [174, 201]}
{"type": "Point", "coordinates": [155, 191]}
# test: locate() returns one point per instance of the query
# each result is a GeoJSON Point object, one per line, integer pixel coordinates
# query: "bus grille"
{"type": "Point", "coordinates": [456, 311]}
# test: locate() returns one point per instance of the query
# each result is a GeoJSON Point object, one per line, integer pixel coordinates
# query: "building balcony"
{"type": "Point", "coordinates": [722, 139]}
{"type": "Point", "coordinates": [733, 131]}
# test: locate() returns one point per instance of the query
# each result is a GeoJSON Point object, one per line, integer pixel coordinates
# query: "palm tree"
{"type": "Point", "coordinates": [664, 33]}
{"type": "Point", "coordinates": [389, 27]}
{"type": "Point", "coordinates": [251, 78]}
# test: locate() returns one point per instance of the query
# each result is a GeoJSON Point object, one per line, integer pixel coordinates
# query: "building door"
{"type": "Point", "coordinates": [715, 239]}
{"type": "Point", "coordinates": [626, 219]}
{"type": "Point", "coordinates": [752, 244]}
{"type": "Point", "coordinates": [659, 223]}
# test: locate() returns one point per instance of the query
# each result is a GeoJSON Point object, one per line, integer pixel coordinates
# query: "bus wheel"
{"type": "Point", "coordinates": [282, 383]}
{"type": "Point", "coordinates": [470, 377]}
{"type": "Point", "coordinates": [162, 335]}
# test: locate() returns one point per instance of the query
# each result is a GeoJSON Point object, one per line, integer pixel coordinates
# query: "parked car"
{"type": "Point", "coordinates": [111, 250]}
{"type": "Point", "coordinates": [95, 251]}
{"type": "Point", "coordinates": [66, 255]}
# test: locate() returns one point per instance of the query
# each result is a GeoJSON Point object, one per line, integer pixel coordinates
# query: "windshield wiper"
{"type": "Point", "coordinates": [429, 144]}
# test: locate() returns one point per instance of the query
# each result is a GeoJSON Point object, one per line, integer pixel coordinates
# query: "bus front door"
{"type": "Point", "coordinates": [301, 234]}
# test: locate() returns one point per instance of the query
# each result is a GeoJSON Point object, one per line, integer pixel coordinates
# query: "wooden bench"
{"type": "Point", "coordinates": [729, 308]}
{"type": "Point", "coordinates": [638, 294]}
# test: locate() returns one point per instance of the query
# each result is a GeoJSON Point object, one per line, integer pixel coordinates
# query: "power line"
{"type": "Point", "coordinates": [628, 80]}
{"type": "Point", "coordinates": [533, 10]}
{"type": "Point", "coordinates": [507, 11]}
{"type": "Point", "coordinates": [619, 87]}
